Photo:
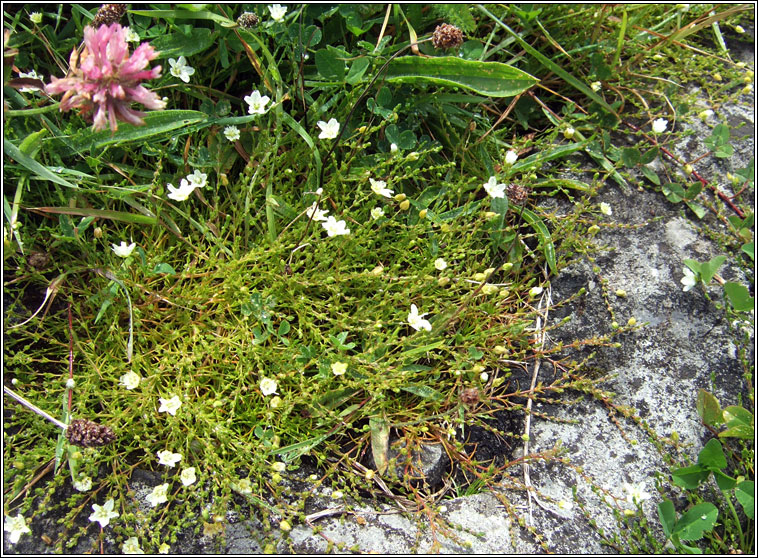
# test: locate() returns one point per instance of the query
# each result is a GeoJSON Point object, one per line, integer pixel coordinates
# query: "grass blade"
{"type": "Point", "coordinates": [30, 164]}
{"type": "Point", "coordinates": [552, 66]}
{"type": "Point", "coordinates": [546, 240]}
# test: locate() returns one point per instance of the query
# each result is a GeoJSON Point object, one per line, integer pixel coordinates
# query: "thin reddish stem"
{"type": "Point", "coordinates": [702, 180]}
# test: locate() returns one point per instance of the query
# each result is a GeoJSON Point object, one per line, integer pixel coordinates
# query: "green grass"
{"type": "Point", "coordinates": [236, 284]}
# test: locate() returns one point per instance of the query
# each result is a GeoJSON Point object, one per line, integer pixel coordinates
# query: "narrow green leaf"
{"type": "Point", "coordinates": [546, 240]}
{"type": "Point", "coordinates": [31, 143]}
{"type": "Point", "coordinates": [425, 392]}
{"type": "Point", "coordinates": [492, 79]}
{"type": "Point", "coordinates": [667, 515]}
{"type": "Point", "coordinates": [292, 123]}
{"type": "Point", "coordinates": [696, 521]}
{"type": "Point", "coordinates": [186, 14]}
{"type": "Point", "coordinates": [380, 438]}
{"type": "Point", "coordinates": [552, 66]}
{"type": "Point", "coordinates": [101, 213]}
{"type": "Point", "coordinates": [177, 44]}
{"type": "Point", "coordinates": [156, 124]}
{"type": "Point", "coordinates": [295, 450]}
{"type": "Point", "coordinates": [543, 156]}
{"type": "Point", "coordinates": [30, 164]}
{"type": "Point", "coordinates": [592, 149]}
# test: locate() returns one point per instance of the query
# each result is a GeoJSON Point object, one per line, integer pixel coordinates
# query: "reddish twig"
{"type": "Point", "coordinates": [723, 197]}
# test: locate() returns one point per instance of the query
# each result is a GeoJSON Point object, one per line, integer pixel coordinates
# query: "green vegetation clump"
{"type": "Point", "coordinates": [332, 248]}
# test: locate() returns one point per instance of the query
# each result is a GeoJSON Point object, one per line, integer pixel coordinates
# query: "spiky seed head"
{"type": "Point", "coordinates": [248, 20]}
{"type": "Point", "coordinates": [447, 36]}
{"type": "Point", "coordinates": [517, 194]}
{"type": "Point", "coordinates": [108, 13]}
{"type": "Point", "coordinates": [88, 434]}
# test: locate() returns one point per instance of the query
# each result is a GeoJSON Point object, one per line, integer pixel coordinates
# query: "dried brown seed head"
{"type": "Point", "coordinates": [248, 20]}
{"type": "Point", "coordinates": [108, 13]}
{"type": "Point", "coordinates": [88, 434]}
{"type": "Point", "coordinates": [517, 194]}
{"type": "Point", "coordinates": [447, 36]}
{"type": "Point", "coordinates": [470, 396]}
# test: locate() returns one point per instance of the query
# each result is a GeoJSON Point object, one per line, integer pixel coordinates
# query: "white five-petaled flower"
{"type": "Point", "coordinates": [268, 386]}
{"type": "Point", "coordinates": [130, 380]}
{"type": "Point", "coordinates": [103, 514]}
{"type": "Point", "coordinates": [440, 264]}
{"type": "Point", "coordinates": [511, 157]}
{"type": "Point", "coordinates": [334, 227]}
{"type": "Point", "coordinates": [605, 209]}
{"type": "Point", "coordinates": [596, 85]}
{"type": "Point", "coordinates": [182, 192]}
{"type": "Point", "coordinates": [277, 11]}
{"type": "Point", "coordinates": [329, 130]}
{"type": "Point", "coordinates": [168, 458]}
{"type": "Point", "coordinates": [188, 476]}
{"type": "Point", "coordinates": [689, 280]}
{"type": "Point", "coordinates": [316, 214]}
{"type": "Point", "coordinates": [232, 133]}
{"type": "Point", "coordinates": [256, 102]}
{"type": "Point", "coordinates": [36, 17]}
{"type": "Point", "coordinates": [244, 486]}
{"type": "Point", "coordinates": [198, 179]}
{"type": "Point", "coordinates": [83, 484]}
{"type": "Point", "coordinates": [416, 320]}
{"type": "Point", "coordinates": [131, 546]}
{"type": "Point", "coordinates": [379, 187]}
{"type": "Point", "coordinates": [123, 250]}
{"type": "Point", "coordinates": [159, 495]}
{"type": "Point", "coordinates": [659, 125]}
{"type": "Point", "coordinates": [16, 526]}
{"type": "Point", "coordinates": [171, 405]}
{"type": "Point", "coordinates": [635, 494]}
{"type": "Point", "coordinates": [339, 368]}
{"type": "Point", "coordinates": [180, 69]}
{"type": "Point", "coordinates": [494, 189]}
{"type": "Point", "coordinates": [377, 212]}
{"type": "Point", "coordinates": [164, 548]}
{"type": "Point", "coordinates": [535, 291]}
